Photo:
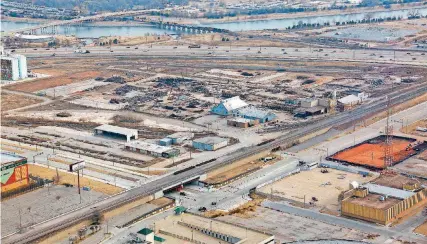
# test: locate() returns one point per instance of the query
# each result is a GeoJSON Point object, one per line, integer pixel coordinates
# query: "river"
{"type": "Point", "coordinates": [93, 31]}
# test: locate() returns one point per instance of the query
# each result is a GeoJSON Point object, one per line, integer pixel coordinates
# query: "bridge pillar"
{"type": "Point", "coordinates": [203, 177]}
{"type": "Point", "coordinates": [158, 194]}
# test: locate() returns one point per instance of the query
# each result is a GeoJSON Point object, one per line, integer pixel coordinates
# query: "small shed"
{"type": "Point", "coordinates": [179, 210]}
{"type": "Point", "coordinates": [146, 235]}
{"type": "Point", "coordinates": [165, 142]}
{"type": "Point", "coordinates": [242, 122]}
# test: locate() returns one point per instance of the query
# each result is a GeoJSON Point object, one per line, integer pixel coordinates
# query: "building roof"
{"type": "Point", "coordinates": [7, 158]}
{"type": "Point", "coordinates": [310, 110]}
{"type": "Point", "coordinates": [180, 209]}
{"type": "Point", "coordinates": [397, 181]}
{"type": "Point", "coordinates": [240, 120]}
{"type": "Point", "coordinates": [373, 201]}
{"type": "Point", "coordinates": [33, 37]}
{"type": "Point", "coordinates": [388, 191]}
{"type": "Point", "coordinates": [188, 135]}
{"type": "Point", "coordinates": [117, 129]}
{"type": "Point", "coordinates": [159, 239]}
{"type": "Point", "coordinates": [254, 112]}
{"type": "Point", "coordinates": [349, 99]}
{"type": "Point", "coordinates": [145, 231]}
{"type": "Point", "coordinates": [211, 140]}
{"type": "Point", "coordinates": [148, 146]}
{"type": "Point", "coordinates": [233, 103]}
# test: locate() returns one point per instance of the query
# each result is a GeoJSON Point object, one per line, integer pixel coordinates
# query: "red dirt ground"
{"type": "Point", "coordinates": [49, 82]}
{"type": "Point", "coordinates": [373, 154]}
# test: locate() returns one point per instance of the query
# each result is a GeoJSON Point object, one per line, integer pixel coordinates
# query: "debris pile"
{"type": "Point", "coordinates": [116, 79]}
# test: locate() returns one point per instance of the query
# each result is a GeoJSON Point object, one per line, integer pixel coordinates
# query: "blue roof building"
{"type": "Point", "coordinates": [254, 113]}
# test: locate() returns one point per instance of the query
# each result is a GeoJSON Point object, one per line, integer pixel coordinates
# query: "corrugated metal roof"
{"type": "Point", "coordinates": [233, 103]}
{"type": "Point", "coordinates": [253, 112]}
{"type": "Point", "coordinates": [117, 129]}
{"type": "Point", "coordinates": [210, 140]}
{"type": "Point", "coordinates": [241, 120]}
{"type": "Point", "coordinates": [349, 99]}
{"type": "Point", "coordinates": [388, 191]}
{"type": "Point", "coordinates": [148, 146]}
{"type": "Point", "coordinates": [186, 135]}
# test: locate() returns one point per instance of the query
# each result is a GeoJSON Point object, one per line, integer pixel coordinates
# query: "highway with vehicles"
{"type": "Point", "coordinates": [412, 57]}
{"type": "Point", "coordinates": [39, 230]}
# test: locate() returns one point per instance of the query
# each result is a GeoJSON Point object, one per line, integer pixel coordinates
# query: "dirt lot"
{"type": "Point", "coordinates": [10, 101]}
{"type": "Point", "coordinates": [412, 128]}
{"type": "Point", "coordinates": [235, 169]}
{"type": "Point", "coordinates": [324, 186]}
{"type": "Point", "coordinates": [72, 179]}
{"type": "Point", "coordinates": [44, 83]}
{"type": "Point", "coordinates": [372, 154]}
{"type": "Point", "coordinates": [422, 229]}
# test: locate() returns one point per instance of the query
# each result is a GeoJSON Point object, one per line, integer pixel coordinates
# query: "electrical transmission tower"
{"type": "Point", "coordinates": [388, 149]}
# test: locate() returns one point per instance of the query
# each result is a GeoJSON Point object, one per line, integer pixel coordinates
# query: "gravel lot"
{"type": "Point", "coordinates": [287, 228]}
{"type": "Point", "coordinates": [42, 204]}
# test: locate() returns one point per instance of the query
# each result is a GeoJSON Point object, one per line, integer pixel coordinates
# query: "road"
{"type": "Point", "coordinates": [418, 57]}
{"type": "Point", "coordinates": [39, 230]}
{"type": "Point", "coordinates": [348, 223]}
{"type": "Point", "coordinates": [235, 193]}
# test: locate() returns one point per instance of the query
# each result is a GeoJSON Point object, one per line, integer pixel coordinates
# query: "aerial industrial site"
{"type": "Point", "coordinates": [214, 122]}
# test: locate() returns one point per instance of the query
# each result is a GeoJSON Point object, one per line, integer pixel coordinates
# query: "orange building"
{"type": "Point", "coordinates": [14, 172]}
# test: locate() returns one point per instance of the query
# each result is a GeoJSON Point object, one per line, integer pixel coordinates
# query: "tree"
{"type": "Point", "coordinates": [115, 41]}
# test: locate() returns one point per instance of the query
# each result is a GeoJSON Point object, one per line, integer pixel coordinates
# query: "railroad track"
{"type": "Point", "coordinates": [35, 232]}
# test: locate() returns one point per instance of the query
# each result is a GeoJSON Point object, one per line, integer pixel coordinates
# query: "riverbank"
{"type": "Point", "coordinates": [24, 20]}
{"type": "Point", "coordinates": [280, 16]}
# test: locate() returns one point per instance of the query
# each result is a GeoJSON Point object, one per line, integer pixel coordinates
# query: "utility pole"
{"type": "Point", "coordinates": [78, 185]}
{"type": "Point", "coordinates": [388, 150]}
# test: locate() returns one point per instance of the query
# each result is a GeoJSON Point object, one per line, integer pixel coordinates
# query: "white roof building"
{"type": "Point", "coordinates": [227, 106]}
{"type": "Point", "coordinates": [234, 103]}
{"type": "Point", "coordinates": [350, 100]}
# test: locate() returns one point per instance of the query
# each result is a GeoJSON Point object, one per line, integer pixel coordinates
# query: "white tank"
{"type": "Point", "coordinates": [354, 185]}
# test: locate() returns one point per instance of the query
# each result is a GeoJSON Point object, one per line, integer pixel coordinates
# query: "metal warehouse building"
{"type": "Point", "coordinates": [229, 106]}
{"type": "Point", "coordinates": [210, 143]}
{"type": "Point", "coordinates": [152, 149]}
{"type": "Point", "coordinates": [117, 132]}
{"type": "Point", "coordinates": [176, 138]}
{"type": "Point", "coordinates": [14, 172]}
{"type": "Point", "coordinates": [254, 113]}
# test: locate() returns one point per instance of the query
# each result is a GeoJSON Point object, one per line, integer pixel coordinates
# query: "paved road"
{"type": "Point", "coordinates": [235, 193]}
{"type": "Point", "coordinates": [418, 57]}
{"type": "Point", "coordinates": [348, 223]}
{"type": "Point", "coordinates": [34, 232]}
